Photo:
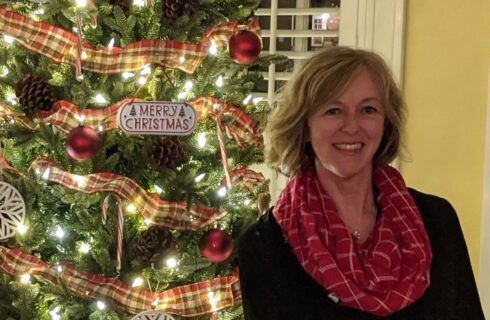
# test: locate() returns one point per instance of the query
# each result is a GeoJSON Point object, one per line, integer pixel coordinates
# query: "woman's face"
{"type": "Point", "coordinates": [345, 133]}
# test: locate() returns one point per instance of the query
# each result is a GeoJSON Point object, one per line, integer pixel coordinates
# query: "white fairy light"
{"type": "Point", "coordinates": [21, 229]}
{"type": "Point", "coordinates": [84, 247]}
{"type": "Point", "coordinates": [100, 128]}
{"type": "Point", "coordinates": [5, 71]}
{"type": "Point", "coordinates": [8, 39]}
{"type": "Point", "coordinates": [84, 55]}
{"type": "Point", "coordinates": [11, 99]}
{"type": "Point", "coordinates": [219, 82]}
{"type": "Point", "coordinates": [213, 49]}
{"type": "Point", "coordinates": [213, 301]}
{"type": "Point", "coordinates": [81, 3]}
{"type": "Point", "coordinates": [127, 75]}
{"type": "Point", "coordinates": [75, 30]}
{"type": "Point", "coordinates": [147, 222]}
{"type": "Point", "coordinates": [100, 305]}
{"type": "Point", "coordinates": [25, 278]}
{"type": "Point", "coordinates": [222, 191]}
{"type": "Point", "coordinates": [137, 282]}
{"type": "Point", "coordinates": [247, 202]}
{"type": "Point", "coordinates": [39, 11]}
{"type": "Point", "coordinates": [182, 59]}
{"type": "Point", "coordinates": [55, 313]}
{"type": "Point", "coordinates": [146, 70]}
{"type": "Point", "coordinates": [111, 44]}
{"type": "Point", "coordinates": [201, 139]}
{"type": "Point", "coordinates": [199, 177]}
{"type": "Point", "coordinates": [171, 262]}
{"type": "Point", "coordinates": [142, 81]}
{"type": "Point", "coordinates": [325, 16]}
{"type": "Point", "coordinates": [155, 302]}
{"type": "Point", "coordinates": [158, 189]}
{"type": "Point", "coordinates": [59, 233]}
{"type": "Point", "coordinates": [100, 99]}
{"type": "Point", "coordinates": [81, 181]}
{"type": "Point", "coordinates": [130, 208]}
{"type": "Point", "coordinates": [181, 95]}
{"type": "Point", "coordinates": [80, 77]}
{"type": "Point", "coordinates": [46, 173]}
{"type": "Point", "coordinates": [188, 85]}
{"type": "Point", "coordinates": [247, 99]}
{"type": "Point", "coordinates": [59, 268]}
{"type": "Point", "coordinates": [139, 3]}
{"type": "Point", "coordinates": [257, 100]}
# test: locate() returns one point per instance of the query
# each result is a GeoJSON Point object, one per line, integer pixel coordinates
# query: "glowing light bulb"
{"type": "Point", "coordinates": [84, 55]}
{"type": "Point", "coordinates": [201, 140]}
{"type": "Point", "coordinates": [101, 305]}
{"type": "Point", "coordinates": [181, 95]}
{"type": "Point", "coordinates": [158, 189]}
{"type": "Point", "coordinates": [84, 247]}
{"type": "Point", "coordinates": [213, 49]}
{"type": "Point", "coordinates": [59, 233]}
{"type": "Point", "coordinates": [46, 174]}
{"type": "Point", "coordinates": [222, 191]}
{"type": "Point", "coordinates": [257, 100]}
{"type": "Point", "coordinates": [99, 98]}
{"type": "Point", "coordinates": [147, 222]}
{"type": "Point", "coordinates": [188, 85]}
{"type": "Point", "coordinates": [55, 313]}
{"type": "Point", "coordinates": [325, 16]}
{"type": "Point", "coordinates": [59, 268]}
{"type": "Point", "coordinates": [81, 3]}
{"type": "Point", "coordinates": [25, 278]}
{"type": "Point", "coordinates": [127, 75]}
{"type": "Point", "coordinates": [219, 82]}
{"type": "Point", "coordinates": [247, 202]}
{"type": "Point", "coordinates": [81, 181]}
{"type": "Point", "coordinates": [182, 59]}
{"type": "Point", "coordinates": [8, 39]}
{"type": "Point", "coordinates": [247, 99]}
{"type": "Point", "coordinates": [139, 3]}
{"type": "Point", "coordinates": [141, 81]}
{"type": "Point", "coordinates": [111, 44]}
{"type": "Point", "coordinates": [199, 177]}
{"type": "Point", "coordinates": [21, 229]}
{"type": "Point", "coordinates": [146, 70]}
{"type": "Point", "coordinates": [212, 299]}
{"type": "Point", "coordinates": [130, 208]}
{"type": "Point", "coordinates": [137, 282]}
{"type": "Point", "coordinates": [171, 262]}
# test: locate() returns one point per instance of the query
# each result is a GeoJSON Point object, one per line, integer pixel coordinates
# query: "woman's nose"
{"type": "Point", "coordinates": [351, 123]}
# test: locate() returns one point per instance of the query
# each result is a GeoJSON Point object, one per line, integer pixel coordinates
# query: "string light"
{"type": "Point", "coordinates": [201, 139]}
{"type": "Point", "coordinates": [182, 59]}
{"type": "Point", "coordinates": [247, 99]}
{"type": "Point", "coordinates": [147, 222]}
{"type": "Point", "coordinates": [137, 282]}
{"type": "Point", "coordinates": [181, 95]}
{"type": "Point", "coordinates": [100, 128]}
{"type": "Point", "coordinates": [188, 85]}
{"type": "Point", "coordinates": [59, 233]}
{"type": "Point", "coordinates": [212, 300]}
{"type": "Point", "coordinates": [127, 75]}
{"type": "Point", "coordinates": [84, 55]}
{"type": "Point", "coordinates": [219, 82]}
{"type": "Point", "coordinates": [158, 189]}
{"type": "Point", "coordinates": [25, 278]}
{"type": "Point", "coordinates": [171, 262]}
{"type": "Point", "coordinates": [11, 99]}
{"type": "Point", "coordinates": [46, 174]}
{"type": "Point", "coordinates": [5, 71]}
{"type": "Point", "coordinates": [247, 202]}
{"type": "Point", "coordinates": [84, 247]}
{"type": "Point", "coordinates": [199, 177]}
{"type": "Point", "coordinates": [146, 70]}
{"type": "Point", "coordinates": [59, 268]}
{"type": "Point", "coordinates": [8, 39]}
{"type": "Point", "coordinates": [81, 181]}
{"type": "Point", "coordinates": [100, 305]}
{"type": "Point", "coordinates": [213, 49]}
{"type": "Point", "coordinates": [39, 11]}
{"type": "Point", "coordinates": [21, 229]}
{"type": "Point", "coordinates": [81, 3]}
{"type": "Point", "coordinates": [55, 313]}
{"type": "Point", "coordinates": [222, 191]}
{"type": "Point", "coordinates": [142, 81]}
{"type": "Point", "coordinates": [139, 3]}
{"type": "Point", "coordinates": [325, 16]}
{"type": "Point", "coordinates": [111, 44]}
{"type": "Point", "coordinates": [130, 208]}
{"type": "Point", "coordinates": [99, 98]}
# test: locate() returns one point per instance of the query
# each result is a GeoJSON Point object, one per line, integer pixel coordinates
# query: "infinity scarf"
{"type": "Point", "coordinates": [386, 273]}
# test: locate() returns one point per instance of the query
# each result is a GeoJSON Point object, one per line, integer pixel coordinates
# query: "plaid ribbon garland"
{"type": "Point", "coordinates": [66, 116]}
{"type": "Point", "coordinates": [61, 46]}
{"type": "Point", "coordinates": [175, 215]}
{"type": "Point", "coordinates": [245, 179]}
{"type": "Point", "coordinates": [195, 299]}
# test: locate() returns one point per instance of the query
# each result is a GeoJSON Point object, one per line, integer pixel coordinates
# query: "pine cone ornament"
{"type": "Point", "coordinates": [34, 95]}
{"type": "Point", "coordinates": [124, 4]}
{"type": "Point", "coordinates": [173, 9]}
{"type": "Point", "coordinates": [152, 242]}
{"type": "Point", "coordinates": [167, 152]}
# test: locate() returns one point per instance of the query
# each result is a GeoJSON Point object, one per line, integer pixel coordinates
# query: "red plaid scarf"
{"type": "Point", "coordinates": [386, 273]}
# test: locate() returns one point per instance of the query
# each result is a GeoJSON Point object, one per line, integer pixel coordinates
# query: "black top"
{"type": "Point", "coordinates": [275, 286]}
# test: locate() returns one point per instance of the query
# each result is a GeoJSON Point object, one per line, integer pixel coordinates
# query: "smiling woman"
{"type": "Point", "coordinates": [347, 239]}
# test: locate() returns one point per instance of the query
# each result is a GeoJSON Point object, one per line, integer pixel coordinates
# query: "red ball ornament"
{"type": "Point", "coordinates": [82, 143]}
{"type": "Point", "coordinates": [216, 245]}
{"type": "Point", "coordinates": [244, 47]}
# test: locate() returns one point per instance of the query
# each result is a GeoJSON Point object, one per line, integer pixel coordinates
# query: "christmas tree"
{"type": "Point", "coordinates": [127, 133]}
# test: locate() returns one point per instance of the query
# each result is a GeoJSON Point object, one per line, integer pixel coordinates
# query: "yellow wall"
{"type": "Point", "coordinates": [446, 90]}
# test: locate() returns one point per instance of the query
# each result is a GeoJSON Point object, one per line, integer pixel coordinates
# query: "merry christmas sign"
{"type": "Point", "coordinates": [157, 118]}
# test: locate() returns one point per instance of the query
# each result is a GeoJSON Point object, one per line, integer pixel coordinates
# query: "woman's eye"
{"type": "Point", "coordinates": [332, 111]}
{"type": "Point", "coordinates": [369, 109]}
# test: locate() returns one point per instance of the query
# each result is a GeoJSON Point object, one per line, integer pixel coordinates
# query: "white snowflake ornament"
{"type": "Point", "coordinates": [12, 210]}
{"type": "Point", "coordinates": [152, 315]}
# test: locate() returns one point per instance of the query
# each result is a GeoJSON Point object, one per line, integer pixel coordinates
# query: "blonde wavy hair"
{"type": "Point", "coordinates": [321, 79]}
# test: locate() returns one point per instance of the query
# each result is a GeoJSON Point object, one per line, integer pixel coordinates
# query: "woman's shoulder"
{"type": "Point", "coordinates": [432, 206]}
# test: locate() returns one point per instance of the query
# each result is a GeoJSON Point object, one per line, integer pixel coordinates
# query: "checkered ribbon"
{"type": "Point", "coordinates": [175, 215]}
{"type": "Point", "coordinates": [195, 299]}
{"type": "Point", "coordinates": [245, 179]}
{"type": "Point", "coordinates": [66, 116]}
{"type": "Point", "coordinates": [61, 46]}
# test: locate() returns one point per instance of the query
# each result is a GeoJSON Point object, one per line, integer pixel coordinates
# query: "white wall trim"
{"type": "Point", "coordinates": [484, 275]}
